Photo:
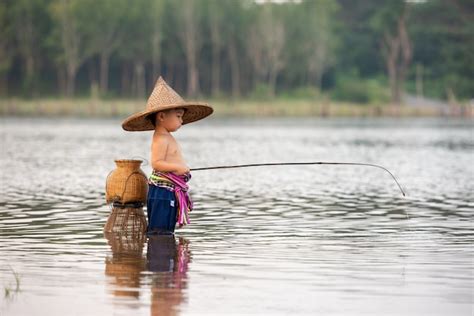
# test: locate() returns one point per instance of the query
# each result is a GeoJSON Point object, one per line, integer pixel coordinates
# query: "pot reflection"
{"type": "Point", "coordinates": [126, 263]}
{"type": "Point", "coordinates": [170, 260]}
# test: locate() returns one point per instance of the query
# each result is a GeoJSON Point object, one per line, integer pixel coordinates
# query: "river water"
{"type": "Point", "coordinates": [315, 240]}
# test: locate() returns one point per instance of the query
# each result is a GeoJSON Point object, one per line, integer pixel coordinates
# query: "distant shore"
{"type": "Point", "coordinates": [278, 107]}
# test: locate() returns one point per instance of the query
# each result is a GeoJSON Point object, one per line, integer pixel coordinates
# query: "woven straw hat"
{"type": "Point", "coordinates": [163, 98]}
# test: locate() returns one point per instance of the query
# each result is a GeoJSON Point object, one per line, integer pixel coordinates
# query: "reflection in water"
{"type": "Point", "coordinates": [334, 240]}
{"type": "Point", "coordinates": [171, 261]}
{"type": "Point", "coordinates": [167, 258]}
{"type": "Point", "coordinates": [126, 263]}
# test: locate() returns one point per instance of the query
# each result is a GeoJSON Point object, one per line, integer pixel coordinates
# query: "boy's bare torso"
{"type": "Point", "coordinates": [172, 152]}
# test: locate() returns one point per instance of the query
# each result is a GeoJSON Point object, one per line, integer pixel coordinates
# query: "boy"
{"type": "Point", "coordinates": [168, 202]}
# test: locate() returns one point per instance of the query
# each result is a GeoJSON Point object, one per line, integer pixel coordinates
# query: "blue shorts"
{"type": "Point", "coordinates": [161, 210]}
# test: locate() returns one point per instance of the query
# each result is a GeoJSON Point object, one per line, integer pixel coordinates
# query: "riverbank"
{"type": "Point", "coordinates": [231, 108]}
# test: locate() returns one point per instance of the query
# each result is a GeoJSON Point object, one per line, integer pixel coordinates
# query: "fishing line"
{"type": "Point", "coordinates": [304, 163]}
{"type": "Point", "coordinates": [317, 163]}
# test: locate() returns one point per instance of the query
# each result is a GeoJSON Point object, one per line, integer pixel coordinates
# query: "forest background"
{"type": "Point", "coordinates": [244, 56]}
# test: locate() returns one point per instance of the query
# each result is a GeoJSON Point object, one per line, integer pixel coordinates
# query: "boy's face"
{"type": "Point", "coordinates": [171, 119]}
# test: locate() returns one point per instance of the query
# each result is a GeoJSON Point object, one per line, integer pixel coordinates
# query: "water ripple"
{"type": "Point", "coordinates": [318, 238]}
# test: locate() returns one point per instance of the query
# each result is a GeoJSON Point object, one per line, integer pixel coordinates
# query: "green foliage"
{"type": "Point", "coordinates": [385, 18]}
{"type": "Point", "coordinates": [360, 43]}
{"type": "Point", "coordinates": [444, 45]}
{"type": "Point", "coordinates": [378, 93]}
{"type": "Point", "coordinates": [312, 38]}
{"type": "Point", "coordinates": [104, 27]}
{"type": "Point", "coordinates": [323, 39]}
{"type": "Point", "coordinates": [138, 24]}
{"type": "Point", "coordinates": [353, 88]}
{"type": "Point", "coordinates": [27, 21]}
{"type": "Point", "coordinates": [261, 91]}
{"type": "Point", "coordinates": [303, 93]}
{"type": "Point", "coordinates": [6, 32]}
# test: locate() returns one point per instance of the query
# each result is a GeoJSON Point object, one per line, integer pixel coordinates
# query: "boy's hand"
{"type": "Point", "coordinates": [182, 169]}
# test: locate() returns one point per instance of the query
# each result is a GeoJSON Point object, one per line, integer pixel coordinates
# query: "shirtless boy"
{"type": "Point", "coordinates": [165, 152]}
{"type": "Point", "coordinates": [166, 161]}
{"type": "Point", "coordinates": [168, 201]}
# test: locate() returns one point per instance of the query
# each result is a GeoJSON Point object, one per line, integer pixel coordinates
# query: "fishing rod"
{"type": "Point", "coordinates": [304, 163]}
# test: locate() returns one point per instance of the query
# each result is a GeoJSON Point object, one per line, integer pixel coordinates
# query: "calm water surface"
{"type": "Point", "coordinates": [319, 240]}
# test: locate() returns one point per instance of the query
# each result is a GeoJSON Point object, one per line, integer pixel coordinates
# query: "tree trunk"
{"type": "Point", "coordinates": [26, 39]}
{"type": "Point", "coordinates": [170, 74]}
{"type": "Point", "coordinates": [406, 54]}
{"type": "Point", "coordinates": [397, 52]}
{"type": "Point", "coordinates": [70, 40]}
{"type": "Point", "coordinates": [125, 80]}
{"type": "Point", "coordinates": [216, 45]}
{"type": "Point", "coordinates": [192, 73]}
{"type": "Point", "coordinates": [189, 35]}
{"type": "Point", "coordinates": [94, 85]}
{"type": "Point", "coordinates": [319, 80]}
{"type": "Point", "coordinates": [272, 82]}
{"type": "Point", "coordinates": [70, 80]}
{"type": "Point", "coordinates": [419, 81]}
{"type": "Point", "coordinates": [392, 78]}
{"type": "Point", "coordinates": [61, 77]}
{"type": "Point", "coordinates": [4, 86]}
{"type": "Point", "coordinates": [156, 55]}
{"type": "Point", "coordinates": [215, 83]}
{"type": "Point", "coordinates": [139, 84]}
{"type": "Point", "coordinates": [29, 83]}
{"type": "Point", "coordinates": [104, 73]}
{"type": "Point", "coordinates": [391, 49]}
{"type": "Point", "coordinates": [234, 69]}
{"type": "Point", "coordinates": [193, 78]}
{"type": "Point", "coordinates": [180, 76]}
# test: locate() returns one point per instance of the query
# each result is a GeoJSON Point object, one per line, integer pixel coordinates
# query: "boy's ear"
{"type": "Point", "coordinates": [160, 115]}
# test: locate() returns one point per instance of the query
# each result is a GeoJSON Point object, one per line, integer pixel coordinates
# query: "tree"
{"type": "Point", "coordinates": [6, 47]}
{"type": "Point", "coordinates": [395, 44]}
{"type": "Point", "coordinates": [190, 34]}
{"type": "Point", "coordinates": [255, 48]}
{"type": "Point", "coordinates": [216, 20]}
{"type": "Point", "coordinates": [266, 44]}
{"type": "Point", "coordinates": [445, 46]}
{"type": "Point", "coordinates": [136, 47]}
{"type": "Point", "coordinates": [157, 8]}
{"type": "Point", "coordinates": [323, 44]}
{"type": "Point", "coordinates": [28, 18]}
{"type": "Point", "coordinates": [236, 21]}
{"type": "Point", "coordinates": [359, 43]}
{"type": "Point", "coordinates": [103, 32]}
{"type": "Point", "coordinates": [319, 41]}
{"type": "Point", "coordinates": [71, 35]}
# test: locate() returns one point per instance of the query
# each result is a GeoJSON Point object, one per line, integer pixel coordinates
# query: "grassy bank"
{"type": "Point", "coordinates": [227, 108]}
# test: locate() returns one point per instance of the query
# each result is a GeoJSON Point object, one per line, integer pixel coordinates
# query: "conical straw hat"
{"type": "Point", "coordinates": [163, 98]}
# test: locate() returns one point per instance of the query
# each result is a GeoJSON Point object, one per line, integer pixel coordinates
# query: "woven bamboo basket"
{"type": "Point", "coordinates": [126, 218]}
{"type": "Point", "coordinates": [127, 183]}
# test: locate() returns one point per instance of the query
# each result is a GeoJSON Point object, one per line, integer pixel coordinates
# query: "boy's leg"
{"type": "Point", "coordinates": [161, 210]}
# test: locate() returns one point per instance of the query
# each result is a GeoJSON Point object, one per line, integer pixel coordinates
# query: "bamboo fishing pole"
{"type": "Point", "coordinates": [304, 163]}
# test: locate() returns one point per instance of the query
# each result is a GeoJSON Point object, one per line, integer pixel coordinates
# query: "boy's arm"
{"type": "Point", "coordinates": [159, 148]}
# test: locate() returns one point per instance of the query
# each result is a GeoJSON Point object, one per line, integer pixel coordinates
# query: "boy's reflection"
{"type": "Point", "coordinates": [171, 261]}
{"type": "Point", "coordinates": [166, 257]}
